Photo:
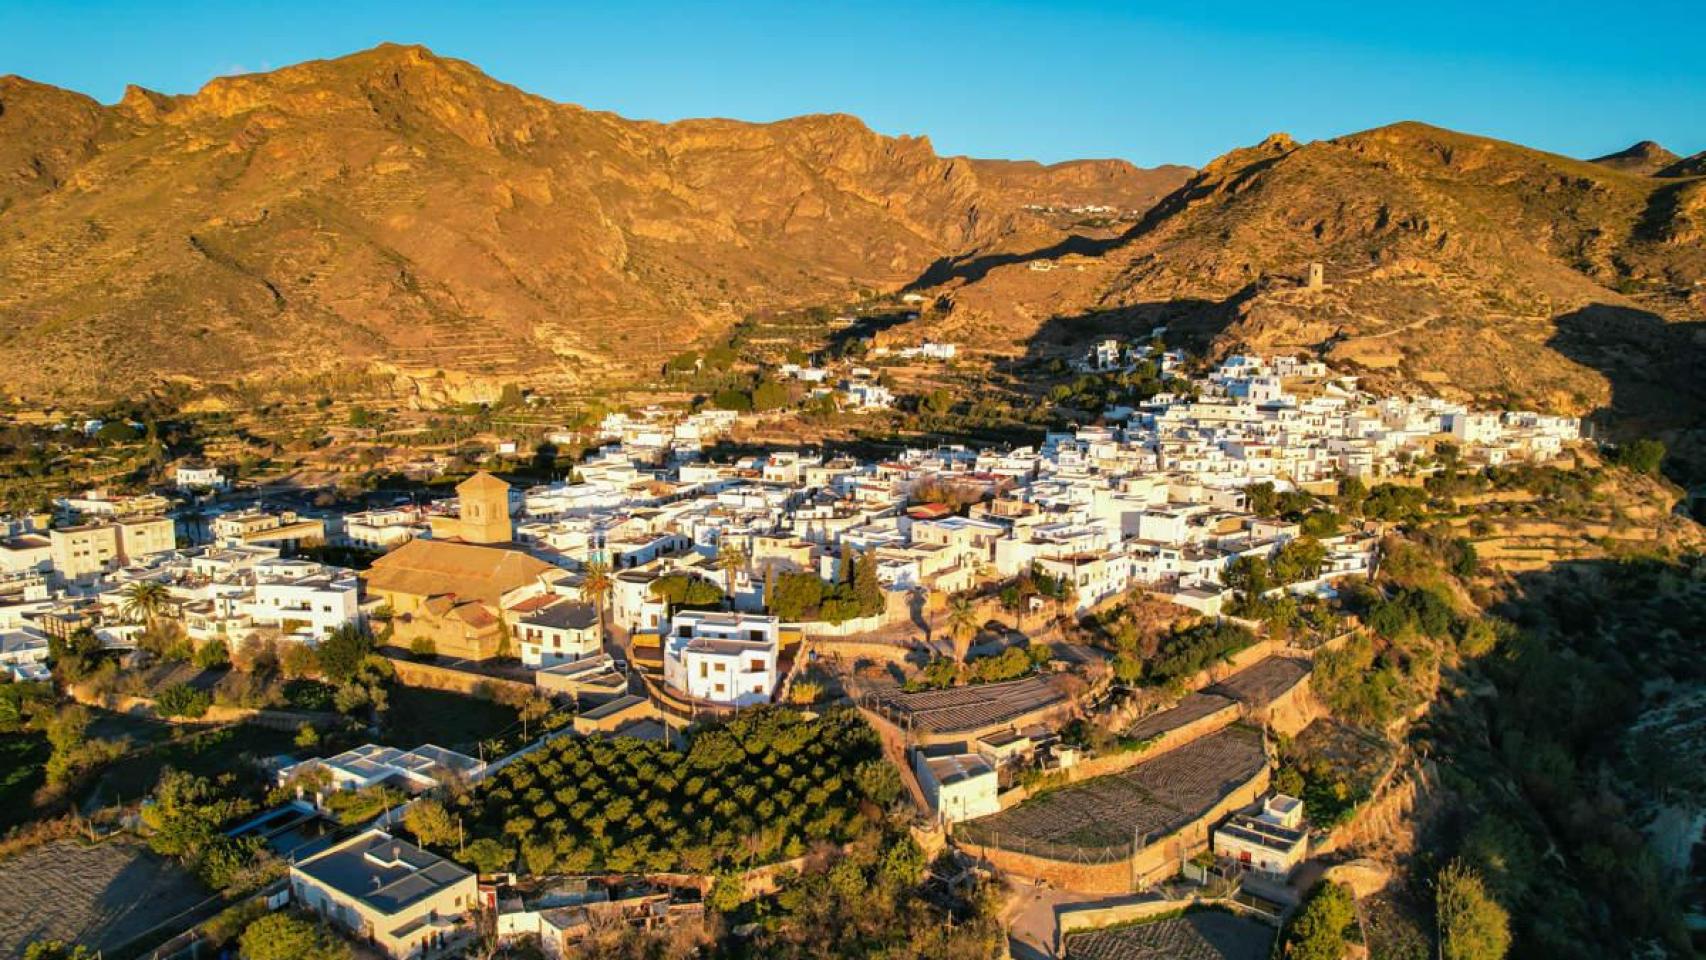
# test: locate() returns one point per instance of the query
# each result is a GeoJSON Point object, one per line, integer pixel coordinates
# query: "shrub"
{"type": "Point", "coordinates": [1318, 931]}
{"type": "Point", "coordinates": [183, 700]}
{"type": "Point", "coordinates": [282, 936]}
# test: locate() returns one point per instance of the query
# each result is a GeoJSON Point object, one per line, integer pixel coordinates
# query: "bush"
{"type": "Point", "coordinates": [212, 655]}
{"type": "Point", "coordinates": [1472, 924]}
{"type": "Point", "coordinates": [1318, 931]}
{"type": "Point", "coordinates": [1642, 456]}
{"type": "Point", "coordinates": [183, 700]}
{"type": "Point", "coordinates": [282, 936]}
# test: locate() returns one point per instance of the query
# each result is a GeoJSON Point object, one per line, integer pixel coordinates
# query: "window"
{"type": "Point", "coordinates": [718, 688]}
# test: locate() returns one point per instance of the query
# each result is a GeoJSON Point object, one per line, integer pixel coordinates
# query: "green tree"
{"type": "Point", "coordinates": [1472, 925]}
{"type": "Point", "coordinates": [487, 855]}
{"type": "Point", "coordinates": [144, 600]}
{"type": "Point", "coordinates": [726, 894]}
{"type": "Point", "coordinates": [342, 651]}
{"type": "Point", "coordinates": [1642, 456]}
{"type": "Point", "coordinates": [1318, 930]}
{"type": "Point", "coordinates": [183, 700]}
{"type": "Point", "coordinates": [596, 584]}
{"type": "Point", "coordinates": [1299, 559]}
{"type": "Point", "coordinates": [430, 822]}
{"type": "Point", "coordinates": [74, 656]}
{"type": "Point", "coordinates": [117, 431]}
{"type": "Point", "coordinates": [212, 655]}
{"type": "Point", "coordinates": [878, 781]}
{"type": "Point", "coordinates": [769, 395]}
{"type": "Point", "coordinates": [962, 625]}
{"type": "Point", "coordinates": [282, 936]}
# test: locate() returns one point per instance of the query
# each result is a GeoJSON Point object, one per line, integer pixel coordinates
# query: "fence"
{"type": "Point", "coordinates": [975, 834]}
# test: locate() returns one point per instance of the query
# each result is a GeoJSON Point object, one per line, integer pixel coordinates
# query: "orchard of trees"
{"type": "Point", "coordinates": [764, 786]}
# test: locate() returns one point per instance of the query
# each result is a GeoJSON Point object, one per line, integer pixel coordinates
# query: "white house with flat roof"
{"type": "Point", "coordinates": [1273, 841]}
{"type": "Point", "coordinates": [559, 632]}
{"type": "Point", "coordinates": [406, 900]}
{"type": "Point", "coordinates": [370, 765]}
{"type": "Point", "coordinates": [958, 786]}
{"type": "Point", "coordinates": [724, 658]}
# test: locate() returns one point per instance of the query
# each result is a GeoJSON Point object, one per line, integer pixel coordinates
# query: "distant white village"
{"type": "Point", "coordinates": [653, 588]}
{"type": "Point", "coordinates": [1156, 496]}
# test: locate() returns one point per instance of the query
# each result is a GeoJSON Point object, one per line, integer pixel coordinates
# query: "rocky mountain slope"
{"type": "Point", "coordinates": [402, 211]}
{"type": "Point", "coordinates": [1464, 265]}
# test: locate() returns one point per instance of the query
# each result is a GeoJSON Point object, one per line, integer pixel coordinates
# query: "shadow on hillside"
{"type": "Point", "coordinates": [1654, 369]}
{"type": "Point", "coordinates": [1601, 647]}
{"type": "Point", "coordinates": [1191, 322]}
{"type": "Point", "coordinates": [972, 267]}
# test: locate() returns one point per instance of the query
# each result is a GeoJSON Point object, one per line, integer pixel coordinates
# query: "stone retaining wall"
{"type": "Point", "coordinates": [414, 673]}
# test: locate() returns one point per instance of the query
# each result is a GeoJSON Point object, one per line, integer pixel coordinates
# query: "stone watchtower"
{"type": "Point", "coordinates": [484, 502]}
{"type": "Point", "coordinates": [1317, 277]}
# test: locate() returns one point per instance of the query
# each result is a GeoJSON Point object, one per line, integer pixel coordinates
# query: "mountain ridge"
{"type": "Point", "coordinates": [408, 213]}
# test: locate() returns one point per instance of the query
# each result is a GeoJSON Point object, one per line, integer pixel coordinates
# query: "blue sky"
{"type": "Point", "coordinates": [1149, 82]}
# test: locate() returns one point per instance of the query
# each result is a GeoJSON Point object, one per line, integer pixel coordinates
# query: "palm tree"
{"type": "Point", "coordinates": [962, 625]}
{"type": "Point", "coordinates": [595, 588]}
{"type": "Point", "coordinates": [144, 600]}
{"type": "Point", "coordinates": [731, 558]}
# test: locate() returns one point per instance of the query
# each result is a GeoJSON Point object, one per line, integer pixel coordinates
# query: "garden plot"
{"type": "Point", "coordinates": [1197, 935]}
{"type": "Point", "coordinates": [1103, 816]}
{"type": "Point", "coordinates": [1262, 683]}
{"type": "Point", "coordinates": [1190, 709]}
{"type": "Point", "coordinates": [101, 895]}
{"type": "Point", "coordinates": [959, 709]}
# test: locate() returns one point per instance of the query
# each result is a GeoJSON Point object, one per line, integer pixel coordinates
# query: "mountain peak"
{"type": "Point", "coordinates": [1644, 158]}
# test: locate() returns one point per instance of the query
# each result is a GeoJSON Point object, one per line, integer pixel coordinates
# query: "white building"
{"type": "Point", "coordinates": [561, 632]}
{"type": "Point", "coordinates": [371, 765]}
{"type": "Point", "coordinates": [1273, 841]}
{"type": "Point", "coordinates": [723, 658]}
{"type": "Point", "coordinates": [198, 477]}
{"type": "Point", "coordinates": [305, 599]}
{"type": "Point", "coordinates": [23, 653]}
{"type": "Point", "coordinates": [961, 786]}
{"type": "Point", "coordinates": [407, 901]}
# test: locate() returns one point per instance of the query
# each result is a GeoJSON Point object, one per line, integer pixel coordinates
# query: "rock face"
{"type": "Point", "coordinates": [394, 206]}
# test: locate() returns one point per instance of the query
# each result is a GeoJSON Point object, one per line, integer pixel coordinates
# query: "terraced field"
{"type": "Point", "coordinates": [1098, 820]}
{"type": "Point", "coordinates": [1262, 683]}
{"type": "Point", "coordinates": [1198, 935]}
{"type": "Point", "coordinates": [1191, 708]}
{"type": "Point", "coordinates": [958, 709]}
{"type": "Point", "coordinates": [101, 895]}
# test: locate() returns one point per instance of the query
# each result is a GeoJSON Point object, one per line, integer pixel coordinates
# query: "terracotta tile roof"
{"type": "Point", "coordinates": [431, 568]}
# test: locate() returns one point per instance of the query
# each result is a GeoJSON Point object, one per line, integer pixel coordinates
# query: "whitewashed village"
{"type": "Point", "coordinates": [968, 605]}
